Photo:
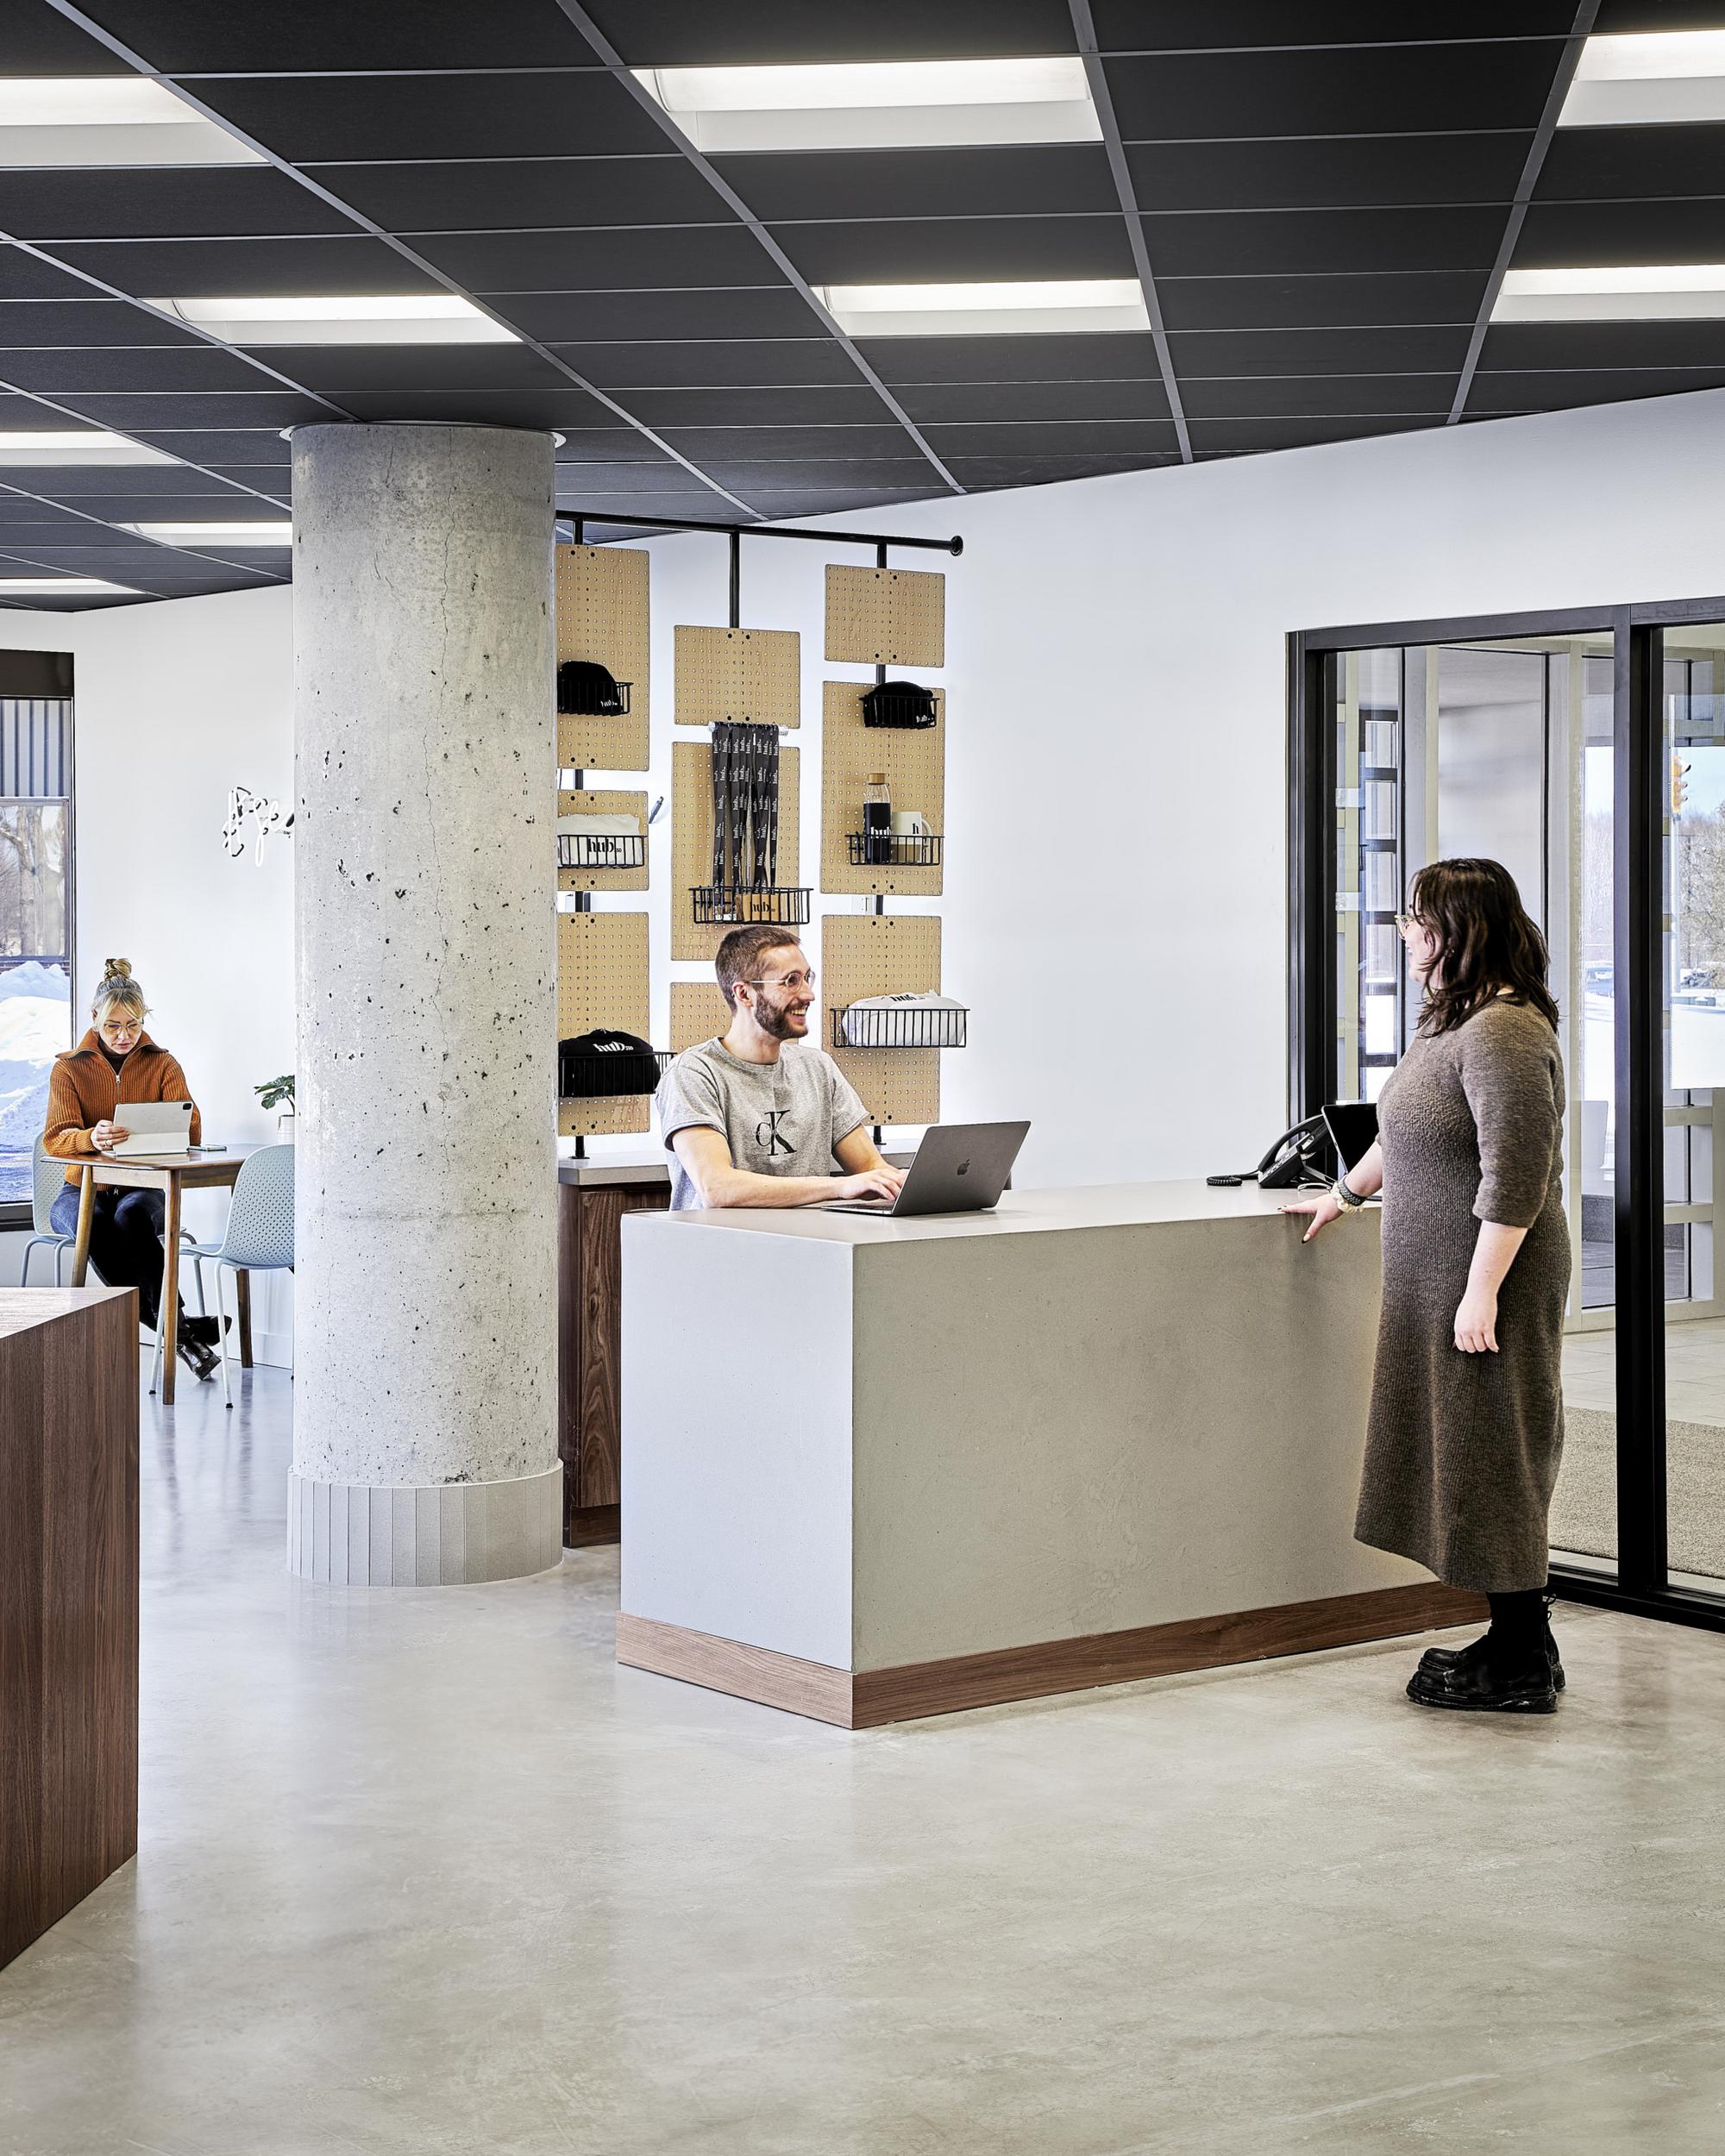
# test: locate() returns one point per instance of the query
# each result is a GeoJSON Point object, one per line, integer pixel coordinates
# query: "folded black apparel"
{"type": "Point", "coordinates": [596, 1065]}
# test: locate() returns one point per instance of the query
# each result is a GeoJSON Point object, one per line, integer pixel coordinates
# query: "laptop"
{"type": "Point", "coordinates": [959, 1167]}
{"type": "Point", "coordinates": [1353, 1126]}
{"type": "Point", "coordinates": [152, 1127]}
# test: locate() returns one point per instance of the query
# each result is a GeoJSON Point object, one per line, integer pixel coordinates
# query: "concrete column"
{"type": "Point", "coordinates": [424, 1447]}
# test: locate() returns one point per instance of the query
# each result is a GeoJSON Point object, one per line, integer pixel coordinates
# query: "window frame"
{"type": "Point", "coordinates": [18, 1215]}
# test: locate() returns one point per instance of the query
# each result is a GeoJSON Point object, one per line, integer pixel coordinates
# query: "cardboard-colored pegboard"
{"type": "Point", "coordinates": [914, 761]}
{"type": "Point", "coordinates": [598, 801]}
{"type": "Point", "coordinates": [738, 674]}
{"type": "Point", "coordinates": [886, 617]}
{"type": "Point", "coordinates": [602, 981]}
{"type": "Point", "coordinates": [699, 1013]}
{"type": "Point", "coordinates": [877, 954]}
{"type": "Point", "coordinates": [691, 841]}
{"type": "Point", "coordinates": [602, 615]}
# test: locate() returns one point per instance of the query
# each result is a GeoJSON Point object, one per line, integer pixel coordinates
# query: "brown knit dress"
{"type": "Point", "coordinates": [1462, 1449]}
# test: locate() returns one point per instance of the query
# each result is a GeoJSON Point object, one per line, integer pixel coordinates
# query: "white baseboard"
{"type": "Point", "coordinates": [274, 1348]}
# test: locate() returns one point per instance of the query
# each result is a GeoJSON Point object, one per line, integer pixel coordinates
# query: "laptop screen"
{"type": "Point", "coordinates": [1353, 1126]}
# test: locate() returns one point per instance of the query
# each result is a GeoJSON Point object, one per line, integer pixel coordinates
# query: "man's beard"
{"type": "Point", "coordinates": [774, 1020]}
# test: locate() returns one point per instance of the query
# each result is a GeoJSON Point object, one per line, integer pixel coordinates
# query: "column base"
{"type": "Point", "coordinates": [450, 1534]}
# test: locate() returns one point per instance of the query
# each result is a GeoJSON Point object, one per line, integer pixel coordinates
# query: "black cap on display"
{"type": "Point", "coordinates": [590, 690]}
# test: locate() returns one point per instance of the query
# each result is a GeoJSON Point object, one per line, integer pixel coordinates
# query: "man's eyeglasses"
{"type": "Point", "coordinates": [794, 980]}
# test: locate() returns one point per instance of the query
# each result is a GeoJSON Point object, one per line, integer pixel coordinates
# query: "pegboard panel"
{"type": "Point", "coordinates": [914, 761]}
{"type": "Point", "coordinates": [699, 1013]}
{"type": "Point", "coordinates": [739, 674]}
{"type": "Point", "coordinates": [877, 955]}
{"type": "Point", "coordinates": [691, 841]}
{"type": "Point", "coordinates": [602, 615]}
{"type": "Point", "coordinates": [602, 981]}
{"type": "Point", "coordinates": [886, 617]}
{"type": "Point", "coordinates": [598, 801]}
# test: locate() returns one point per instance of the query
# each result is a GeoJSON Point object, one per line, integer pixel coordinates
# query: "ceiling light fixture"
{"type": "Point", "coordinates": [894, 104]}
{"type": "Point", "coordinates": [62, 445]}
{"type": "Point", "coordinates": [974, 310]}
{"type": "Point", "coordinates": [72, 586]}
{"type": "Point", "coordinates": [1671, 292]}
{"type": "Point", "coordinates": [108, 120]}
{"type": "Point", "coordinates": [342, 318]}
{"type": "Point", "coordinates": [1657, 78]}
{"type": "Point", "coordinates": [276, 533]}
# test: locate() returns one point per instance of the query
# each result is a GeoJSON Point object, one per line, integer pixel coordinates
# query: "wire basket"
{"type": "Point", "coordinates": [601, 849]}
{"type": "Point", "coordinates": [894, 850]}
{"type": "Point", "coordinates": [580, 706]}
{"type": "Point", "coordinates": [896, 704]}
{"type": "Point", "coordinates": [738, 905]}
{"type": "Point", "coordinates": [901, 1026]}
{"type": "Point", "coordinates": [617, 1072]}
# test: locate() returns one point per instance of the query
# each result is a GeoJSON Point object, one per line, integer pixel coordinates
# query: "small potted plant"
{"type": "Point", "coordinates": [271, 1094]}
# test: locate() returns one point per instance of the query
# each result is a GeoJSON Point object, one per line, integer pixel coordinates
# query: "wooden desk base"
{"type": "Point", "coordinates": [589, 1348]}
{"type": "Point", "coordinates": [866, 1698]}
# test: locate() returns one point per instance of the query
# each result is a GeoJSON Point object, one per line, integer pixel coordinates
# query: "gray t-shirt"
{"type": "Point", "coordinates": [780, 1119]}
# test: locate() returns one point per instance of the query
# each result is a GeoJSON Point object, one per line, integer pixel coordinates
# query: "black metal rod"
{"type": "Point", "coordinates": [736, 579]}
{"type": "Point", "coordinates": [955, 545]}
{"type": "Point", "coordinates": [1639, 799]}
{"type": "Point", "coordinates": [880, 563]}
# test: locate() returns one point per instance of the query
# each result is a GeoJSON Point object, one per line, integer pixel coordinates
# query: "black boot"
{"type": "Point", "coordinates": [204, 1329]}
{"type": "Point", "coordinates": [1492, 1684]}
{"type": "Point", "coordinates": [198, 1358]}
{"type": "Point", "coordinates": [1436, 1658]}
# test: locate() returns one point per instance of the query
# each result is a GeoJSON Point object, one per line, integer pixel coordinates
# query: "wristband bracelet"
{"type": "Point", "coordinates": [1348, 1199]}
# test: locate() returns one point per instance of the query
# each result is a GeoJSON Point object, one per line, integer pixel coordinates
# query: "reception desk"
{"type": "Point", "coordinates": [874, 1470]}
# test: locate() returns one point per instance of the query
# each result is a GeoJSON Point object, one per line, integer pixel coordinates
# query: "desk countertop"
{"type": "Point", "coordinates": [1019, 1212]}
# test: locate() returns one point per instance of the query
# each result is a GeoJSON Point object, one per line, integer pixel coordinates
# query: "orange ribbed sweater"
{"type": "Point", "coordinates": [84, 1091]}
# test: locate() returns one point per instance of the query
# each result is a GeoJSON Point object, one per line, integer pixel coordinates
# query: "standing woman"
{"type": "Point", "coordinates": [88, 1087]}
{"type": "Point", "coordinates": [1466, 1424]}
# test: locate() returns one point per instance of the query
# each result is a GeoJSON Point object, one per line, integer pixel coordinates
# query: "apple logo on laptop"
{"type": "Point", "coordinates": [963, 1169]}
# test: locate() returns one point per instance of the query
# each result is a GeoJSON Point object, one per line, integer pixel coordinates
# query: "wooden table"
{"type": "Point", "coordinates": [171, 1174]}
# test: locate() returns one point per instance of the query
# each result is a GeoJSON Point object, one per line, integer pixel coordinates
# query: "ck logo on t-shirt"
{"type": "Point", "coordinates": [767, 1134]}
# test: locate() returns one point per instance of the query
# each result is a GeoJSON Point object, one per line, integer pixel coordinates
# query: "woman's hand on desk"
{"type": "Point", "coordinates": [1323, 1208]}
{"type": "Point", "coordinates": [873, 1182]}
{"type": "Point", "coordinates": [105, 1135]}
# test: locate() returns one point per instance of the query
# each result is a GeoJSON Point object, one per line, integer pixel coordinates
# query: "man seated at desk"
{"type": "Point", "coordinates": [759, 1117]}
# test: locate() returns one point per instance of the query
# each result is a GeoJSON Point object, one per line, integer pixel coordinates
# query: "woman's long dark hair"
{"type": "Point", "coordinates": [1487, 942]}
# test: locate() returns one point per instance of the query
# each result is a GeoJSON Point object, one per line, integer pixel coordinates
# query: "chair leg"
{"type": "Point", "coordinates": [221, 1338]}
{"type": "Point", "coordinates": [24, 1269]}
{"type": "Point", "coordinates": [60, 1250]}
{"type": "Point", "coordinates": [156, 1360]}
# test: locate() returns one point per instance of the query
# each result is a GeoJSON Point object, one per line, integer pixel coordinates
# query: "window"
{"type": "Point", "coordinates": [35, 926]}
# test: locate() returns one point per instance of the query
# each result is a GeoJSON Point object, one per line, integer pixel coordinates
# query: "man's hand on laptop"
{"type": "Point", "coordinates": [874, 1183]}
{"type": "Point", "coordinates": [105, 1135]}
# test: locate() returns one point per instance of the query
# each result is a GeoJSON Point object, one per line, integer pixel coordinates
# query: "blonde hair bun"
{"type": "Point", "coordinates": [116, 969]}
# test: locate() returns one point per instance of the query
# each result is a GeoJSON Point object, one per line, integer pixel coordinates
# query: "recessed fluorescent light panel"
{"type": "Point", "coordinates": [1690, 292]}
{"type": "Point", "coordinates": [878, 105]}
{"type": "Point", "coordinates": [72, 586]}
{"type": "Point", "coordinates": [273, 533]}
{"type": "Point", "coordinates": [108, 120]}
{"type": "Point", "coordinates": [63, 446]}
{"type": "Point", "coordinates": [985, 310]}
{"type": "Point", "coordinates": [343, 318]}
{"type": "Point", "coordinates": [1663, 78]}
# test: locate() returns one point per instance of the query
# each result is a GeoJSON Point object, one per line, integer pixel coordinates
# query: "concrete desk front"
{"type": "Point", "coordinates": [877, 1469]}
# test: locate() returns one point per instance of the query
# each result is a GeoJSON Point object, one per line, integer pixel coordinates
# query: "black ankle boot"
{"type": "Point", "coordinates": [1436, 1658]}
{"type": "Point", "coordinates": [1517, 1681]}
{"type": "Point", "coordinates": [198, 1358]}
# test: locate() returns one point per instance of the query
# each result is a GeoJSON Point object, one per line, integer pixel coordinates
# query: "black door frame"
{"type": "Point", "coordinates": [1641, 1583]}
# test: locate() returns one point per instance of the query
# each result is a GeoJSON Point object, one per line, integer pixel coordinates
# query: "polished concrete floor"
{"type": "Point", "coordinates": [423, 1870]}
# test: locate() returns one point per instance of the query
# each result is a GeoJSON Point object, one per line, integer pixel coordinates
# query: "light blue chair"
{"type": "Point", "coordinates": [258, 1238]}
{"type": "Point", "coordinates": [47, 1179]}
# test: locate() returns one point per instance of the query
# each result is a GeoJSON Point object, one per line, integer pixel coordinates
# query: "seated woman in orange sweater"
{"type": "Point", "coordinates": [116, 1061]}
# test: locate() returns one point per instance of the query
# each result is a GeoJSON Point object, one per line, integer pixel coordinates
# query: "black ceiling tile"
{"type": "Point", "coordinates": [1039, 471]}
{"type": "Point", "coordinates": [507, 194]}
{"type": "Point", "coordinates": [91, 323]}
{"type": "Point", "coordinates": [1375, 90]}
{"type": "Point", "coordinates": [835, 406]}
{"type": "Point", "coordinates": [1328, 171]}
{"type": "Point", "coordinates": [127, 491]}
{"type": "Point", "coordinates": [334, 368]}
{"type": "Point", "coordinates": [1604, 345]}
{"type": "Point", "coordinates": [606, 504]}
{"type": "Point", "coordinates": [1316, 303]}
{"type": "Point", "coordinates": [1043, 179]}
{"type": "Point", "coordinates": [1171, 25]}
{"type": "Point", "coordinates": [788, 507]}
{"type": "Point", "coordinates": [35, 40]}
{"type": "Point", "coordinates": [1316, 396]}
{"type": "Point", "coordinates": [253, 446]}
{"type": "Point", "coordinates": [626, 474]}
{"type": "Point", "coordinates": [439, 116]}
{"type": "Point", "coordinates": [189, 34]}
{"type": "Point", "coordinates": [695, 33]}
{"type": "Point", "coordinates": [553, 405]}
{"type": "Point", "coordinates": [1114, 437]}
{"type": "Point", "coordinates": [756, 474]}
{"type": "Point", "coordinates": [1600, 164]}
{"type": "Point", "coordinates": [162, 202]}
{"type": "Point", "coordinates": [1525, 390]}
{"type": "Point", "coordinates": [930, 403]}
{"type": "Point", "coordinates": [1198, 353]}
{"type": "Point", "coordinates": [935, 249]}
{"type": "Point", "coordinates": [214, 408]}
{"type": "Point", "coordinates": [1557, 235]}
{"type": "Point", "coordinates": [198, 269]}
{"type": "Point", "coordinates": [258, 479]}
{"type": "Point", "coordinates": [71, 373]}
{"type": "Point", "coordinates": [1238, 437]}
{"type": "Point", "coordinates": [697, 364]}
{"type": "Point", "coordinates": [708, 445]}
{"type": "Point", "coordinates": [765, 307]}
{"type": "Point", "coordinates": [1012, 358]}
{"type": "Point", "coordinates": [25, 276]}
{"type": "Point", "coordinates": [1617, 18]}
{"type": "Point", "coordinates": [647, 259]}
{"type": "Point", "coordinates": [1240, 243]}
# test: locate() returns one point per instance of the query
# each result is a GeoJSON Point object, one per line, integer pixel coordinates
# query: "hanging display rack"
{"type": "Point", "coordinates": [894, 850]}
